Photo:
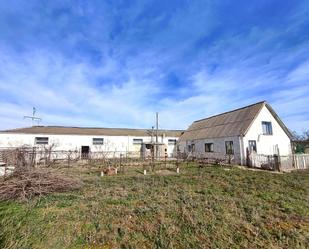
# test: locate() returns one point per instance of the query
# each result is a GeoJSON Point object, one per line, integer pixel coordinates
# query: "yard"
{"type": "Point", "coordinates": [210, 207]}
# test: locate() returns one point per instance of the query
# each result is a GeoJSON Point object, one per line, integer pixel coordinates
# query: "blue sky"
{"type": "Point", "coordinates": [115, 63]}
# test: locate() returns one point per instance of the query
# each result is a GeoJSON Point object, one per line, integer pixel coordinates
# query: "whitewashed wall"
{"type": "Point", "coordinates": [268, 144]}
{"type": "Point", "coordinates": [219, 148]}
{"type": "Point", "coordinates": [74, 142]}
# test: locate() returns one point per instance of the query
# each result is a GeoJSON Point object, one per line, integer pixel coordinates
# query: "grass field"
{"type": "Point", "coordinates": [209, 207]}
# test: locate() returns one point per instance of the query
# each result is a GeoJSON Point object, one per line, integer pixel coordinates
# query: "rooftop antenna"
{"type": "Point", "coordinates": [33, 117]}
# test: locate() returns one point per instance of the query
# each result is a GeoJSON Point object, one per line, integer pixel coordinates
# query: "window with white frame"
{"type": "Point", "coordinates": [191, 147]}
{"type": "Point", "coordinates": [172, 141]}
{"type": "Point", "coordinates": [41, 140]}
{"type": "Point", "coordinates": [209, 147]}
{"type": "Point", "coordinates": [267, 128]}
{"type": "Point", "coordinates": [97, 141]}
{"type": "Point", "coordinates": [229, 147]}
{"type": "Point", "coordinates": [137, 141]}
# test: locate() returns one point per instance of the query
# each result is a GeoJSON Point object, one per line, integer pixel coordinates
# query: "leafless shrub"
{"type": "Point", "coordinates": [28, 183]}
{"type": "Point", "coordinates": [22, 157]}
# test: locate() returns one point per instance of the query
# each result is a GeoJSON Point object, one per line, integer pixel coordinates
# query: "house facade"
{"type": "Point", "coordinates": [115, 141]}
{"type": "Point", "coordinates": [237, 134]}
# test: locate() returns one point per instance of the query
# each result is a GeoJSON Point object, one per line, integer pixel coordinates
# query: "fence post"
{"type": "Point", "coordinates": [248, 157]}
{"type": "Point", "coordinates": [297, 162]}
{"type": "Point", "coordinates": [277, 163]}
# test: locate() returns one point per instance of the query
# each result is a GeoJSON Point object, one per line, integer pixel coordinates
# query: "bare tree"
{"type": "Point", "coordinates": [304, 136]}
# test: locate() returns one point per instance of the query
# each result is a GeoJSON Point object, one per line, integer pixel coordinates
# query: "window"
{"type": "Point", "coordinates": [267, 128]}
{"type": "Point", "coordinates": [229, 147]}
{"type": "Point", "coordinates": [137, 141]}
{"type": "Point", "coordinates": [41, 140]}
{"type": "Point", "coordinates": [97, 141]}
{"type": "Point", "coordinates": [209, 147]}
{"type": "Point", "coordinates": [191, 147]}
{"type": "Point", "coordinates": [252, 146]}
{"type": "Point", "coordinates": [172, 142]}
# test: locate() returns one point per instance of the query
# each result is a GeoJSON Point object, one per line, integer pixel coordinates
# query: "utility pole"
{"type": "Point", "coordinates": [157, 127]}
{"type": "Point", "coordinates": [33, 117]}
{"type": "Point", "coordinates": [152, 132]}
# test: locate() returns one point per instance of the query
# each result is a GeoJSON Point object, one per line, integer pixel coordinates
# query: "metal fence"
{"type": "Point", "coordinates": [33, 156]}
{"type": "Point", "coordinates": [12, 158]}
{"type": "Point", "coordinates": [45, 156]}
{"type": "Point", "coordinates": [279, 163]}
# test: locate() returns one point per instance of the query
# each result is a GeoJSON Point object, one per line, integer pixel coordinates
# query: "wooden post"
{"type": "Point", "coordinates": [277, 163]}
{"type": "Point", "coordinates": [247, 158]}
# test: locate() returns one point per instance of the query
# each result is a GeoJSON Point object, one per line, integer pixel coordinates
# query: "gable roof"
{"type": "Point", "coordinates": [228, 124]}
{"type": "Point", "coordinates": [63, 130]}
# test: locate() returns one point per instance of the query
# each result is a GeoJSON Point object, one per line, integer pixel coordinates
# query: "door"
{"type": "Point", "coordinates": [171, 147]}
{"type": "Point", "coordinates": [85, 152]}
{"type": "Point", "coordinates": [252, 146]}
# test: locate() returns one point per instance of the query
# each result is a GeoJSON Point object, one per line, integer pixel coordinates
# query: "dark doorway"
{"type": "Point", "coordinates": [252, 146]}
{"type": "Point", "coordinates": [85, 152]}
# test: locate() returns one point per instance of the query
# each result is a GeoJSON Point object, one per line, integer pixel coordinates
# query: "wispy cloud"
{"type": "Point", "coordinates": [117, 63]}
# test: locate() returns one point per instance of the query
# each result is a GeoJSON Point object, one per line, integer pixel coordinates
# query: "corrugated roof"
{"type": "Point", "coordinates": [63, 130]}
{"type": "Point", "coordinates": [228, 124]}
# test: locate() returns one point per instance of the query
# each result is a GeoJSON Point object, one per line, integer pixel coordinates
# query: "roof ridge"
{"type": "Point", "coordinates": [234, 110]}
{"type": "Point", "coordinates": [78, 127]}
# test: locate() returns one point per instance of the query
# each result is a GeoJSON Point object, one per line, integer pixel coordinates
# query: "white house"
{"type": "Point", "coordinates": [87, 140]}
{"type": "Point", "coordinates": [238, 133]}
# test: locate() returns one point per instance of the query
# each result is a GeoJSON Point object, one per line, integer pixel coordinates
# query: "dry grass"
{"type": "Point", "coordinates": [200, 208]}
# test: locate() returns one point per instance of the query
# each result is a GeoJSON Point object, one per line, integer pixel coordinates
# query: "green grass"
{"type": "Point", "coordinates": [200, 208]}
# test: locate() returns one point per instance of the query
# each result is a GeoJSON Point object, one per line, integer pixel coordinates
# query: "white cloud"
{"type": "Point", "coordinates": [61, 89]}
{"type": "Point", "coordinates": [126, 86]}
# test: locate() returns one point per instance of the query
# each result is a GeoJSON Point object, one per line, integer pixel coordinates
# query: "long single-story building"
{"type": "Point", "coordinates": [251, 129]}
{"type": "Point", "coordinates": [238, 134]}
{"type": "Point", "coordinates": [87, 140]}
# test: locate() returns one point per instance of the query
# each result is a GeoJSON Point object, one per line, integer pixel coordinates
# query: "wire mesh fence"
{"type": "Point", "coordinates": [120, 161]}
{"type": "Point", "coordinates": [47, 157]}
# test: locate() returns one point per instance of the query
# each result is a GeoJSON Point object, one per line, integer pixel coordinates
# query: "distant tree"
{"type": "Point", "coordinates": [306, 135]}
{"type": "Point", "coordinates": [300, 138]}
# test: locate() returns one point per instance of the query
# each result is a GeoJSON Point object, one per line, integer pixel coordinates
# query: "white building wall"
{"type": "Point", "coordinates": [267, 144]}
{"type": "Point", "coordinates": [219, 148]}
{"type": "Point", "coordinates": [74, 142]}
